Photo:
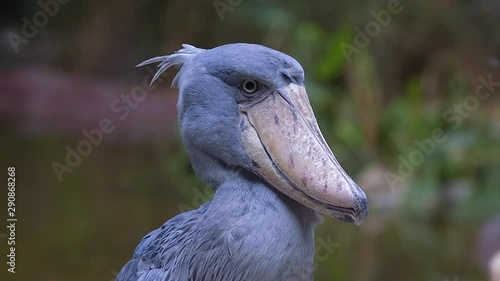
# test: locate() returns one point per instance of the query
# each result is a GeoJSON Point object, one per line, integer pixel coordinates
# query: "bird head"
{"type": "Point", "coordinates": [245, 106]}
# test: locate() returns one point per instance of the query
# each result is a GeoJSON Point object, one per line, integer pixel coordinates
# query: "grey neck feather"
{"type": "Point", "coordinates": [241, 185]}
{"type": "Point", "coordinates": [255, 220]}
{"type": "Point", "coordinates": [235, 181]}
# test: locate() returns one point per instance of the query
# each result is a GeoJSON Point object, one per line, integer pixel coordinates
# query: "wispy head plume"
{"type": "Point", "coordinates": [177, 60]}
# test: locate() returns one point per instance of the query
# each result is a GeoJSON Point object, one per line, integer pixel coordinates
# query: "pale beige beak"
{"type": "Point", "coordinates": [282, 137]}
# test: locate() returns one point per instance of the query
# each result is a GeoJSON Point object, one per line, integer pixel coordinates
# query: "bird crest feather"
{"type": "Point", "coordinates": [177, 59]}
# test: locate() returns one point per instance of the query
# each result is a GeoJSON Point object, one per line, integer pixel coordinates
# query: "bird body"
{"type": "Point", "coordinates": [251, 135]}
{"type": "Point", "coordinates": [231, 243]}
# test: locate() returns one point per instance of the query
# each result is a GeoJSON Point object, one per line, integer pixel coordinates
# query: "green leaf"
{"type": "Point", "coordinates": [333, 62]}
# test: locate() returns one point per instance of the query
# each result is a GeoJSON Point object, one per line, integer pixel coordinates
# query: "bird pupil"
{"type": "Point", "coordinates": [250, 86]}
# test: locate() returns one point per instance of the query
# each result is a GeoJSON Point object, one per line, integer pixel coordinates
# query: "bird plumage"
{"type": "Point", "coordinates": [260, 224]}
{"type": "Point", "coordinates": [259, 235]}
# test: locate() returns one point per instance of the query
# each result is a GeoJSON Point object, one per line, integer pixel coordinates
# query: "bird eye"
{"type": "Point", "coordinates": [249, 86]}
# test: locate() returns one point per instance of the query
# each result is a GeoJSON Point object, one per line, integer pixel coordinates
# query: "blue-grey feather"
{"type": "Point", "coordinates": [249, 231]}
{"type": "Point", "coordinates": [260, 234]}
{"type": "Point", "coordinates": [177, 60]}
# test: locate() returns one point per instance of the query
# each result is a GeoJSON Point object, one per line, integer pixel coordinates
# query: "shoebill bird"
{"type": "Point", "coordinates": [251, 135]}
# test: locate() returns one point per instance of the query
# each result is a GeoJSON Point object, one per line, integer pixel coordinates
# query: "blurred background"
{"type": "Point", "coordinates": [406, 93]}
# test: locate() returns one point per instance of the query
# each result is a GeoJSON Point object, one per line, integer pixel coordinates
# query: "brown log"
{"type": "Point", "coordinates": [46, 101]}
